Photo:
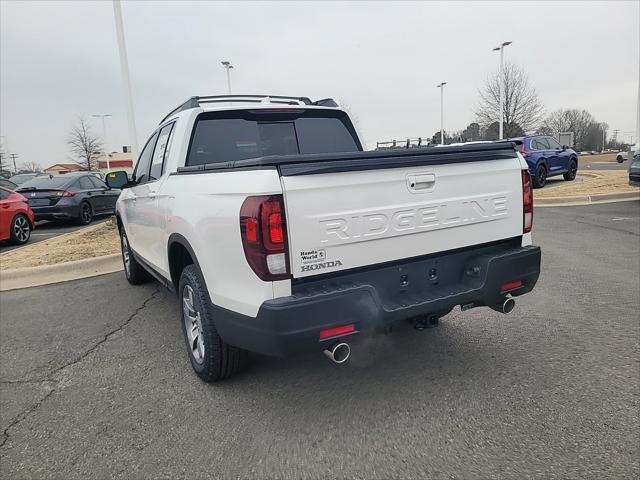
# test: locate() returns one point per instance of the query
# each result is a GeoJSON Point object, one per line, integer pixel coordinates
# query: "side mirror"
{"type": "Point", "coordinates": [117, 179]}
{"type": "Point", "coordinates": [564, 147]}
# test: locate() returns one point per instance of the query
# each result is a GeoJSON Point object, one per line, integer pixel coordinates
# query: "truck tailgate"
{"type": "Point", "coordinates": [349, 219]}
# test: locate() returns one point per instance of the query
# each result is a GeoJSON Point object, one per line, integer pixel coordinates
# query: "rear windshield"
{"type": "Point", "coordinates": [21, 178]}
{"type": "Point", "coordinates": [230, 136]}
{"type": "Point", "coordinates": [45, 182]}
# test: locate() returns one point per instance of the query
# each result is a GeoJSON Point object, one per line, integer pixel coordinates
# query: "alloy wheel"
{"type": "Point", "coordinates": [125, 255]}
{"type": "Point", "coordinates": [193, 325]}
{"type": "Point", "coordinates": [86, 213]}
{"type": "Point", "coordinates": [542, 176]}
{"type": "Point", "coordinates": [21, 229]}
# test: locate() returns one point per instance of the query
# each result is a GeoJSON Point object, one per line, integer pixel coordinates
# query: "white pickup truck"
{"type": "Point", "coordinates": [279, 234]}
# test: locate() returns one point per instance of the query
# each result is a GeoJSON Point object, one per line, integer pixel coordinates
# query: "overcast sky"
{"type": "Point", "coordinates": [60, 60]}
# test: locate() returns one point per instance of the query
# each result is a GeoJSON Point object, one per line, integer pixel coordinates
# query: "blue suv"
{"type": "Point", "coordinates": [546, 158]}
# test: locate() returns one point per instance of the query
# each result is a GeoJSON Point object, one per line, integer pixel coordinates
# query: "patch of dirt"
{"type": "Point", "coordinates": [605, 181]}
{"type": "Point", "coordinates": [93, 241]}
{"type": "Point", "coordinates": [600, 157]}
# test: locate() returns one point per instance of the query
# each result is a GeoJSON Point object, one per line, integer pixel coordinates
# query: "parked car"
{"type": "Point", "coordinates": [280, 235]}
{"type": "Point", "coordinates": [547, 158]}
{"type": "Point", "coordinates": [634, 170]}
{"type": "Point", "coordinates": [73, 196]}
{"type": "Point", "coordinates": [16, 217]}
{"type": "Point", "coordinates": [21, 178]}
{"type": "Point", "coordinates": [622, 156]}
{"type": "Point", "coordinates": [8, 184]}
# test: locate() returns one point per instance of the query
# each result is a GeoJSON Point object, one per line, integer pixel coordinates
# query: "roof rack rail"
{"type": "Point", "coordinates": [195, 102]}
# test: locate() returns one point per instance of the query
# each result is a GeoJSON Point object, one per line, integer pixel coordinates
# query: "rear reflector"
{"type": "Point", "coordinates": [337, 331]}
{"type": "Point", "coordinates": [511, 286]}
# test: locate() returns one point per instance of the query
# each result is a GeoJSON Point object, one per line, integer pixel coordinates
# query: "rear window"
{"type": "Point", "coordinates": [231, 136]}
{"type": "Point", "coordinates": [45, 182]}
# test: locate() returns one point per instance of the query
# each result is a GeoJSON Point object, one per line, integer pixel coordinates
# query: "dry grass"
{"type": "Point", "coordinates": [93, 241]}
{"type": "Point", "coordinates": [605, 181]}
{"type": "Point", "coordinates": [601, 157]}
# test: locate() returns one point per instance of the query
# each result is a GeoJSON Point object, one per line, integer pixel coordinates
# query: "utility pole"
{"type": "Point", "coordinates": [441, 87]}
{"type": "Point", "coordinates": [104, 138]}
{"type": "Point", "coordinates": [501, 86]}
{"type": "Point", "coordinates": [13, 157]}
{"type": "Point", "coordinates": [603, 135]}
{"type": "Point", "coordinates": [227, 65]}
{"type": "Point", "coordinates": [124, 66]}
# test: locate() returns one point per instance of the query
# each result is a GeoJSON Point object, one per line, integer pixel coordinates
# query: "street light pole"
{"type": "Point", "coordinates": [441, 87]}
{"type": "Point", "coordinates": [227, 65]}
{"type": "Point", "coordinates": [104, 138]}
{"type": "Point", "coordinates": [500, 85]}
{"type": "Point", "coordinates": [124, 66]}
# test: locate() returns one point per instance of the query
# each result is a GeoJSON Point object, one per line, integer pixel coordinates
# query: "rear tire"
{"type": "Point", "coordinates": [573, 170]}
{"type": "Point", "coordinates": [135, 273]}
{"type": "Point", "coordinates": [20, 231]}
{"type": "Point", "coordinates": [619, 159]}
{"type": "Point", "coordinates": [540, 177]}
{"type": "Point", "coordinates": [211, 358]}
{"type": "Point", "coordinates": [86, 214]}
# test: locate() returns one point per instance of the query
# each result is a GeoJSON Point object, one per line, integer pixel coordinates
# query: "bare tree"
{"type": "Point", "coordinates": [32, 166]}
{"type": "Point", "coordinates": [523, 110]}
{"type": "Point", "coordinates": [583, 125]}
{"type": "Point", "coordinates": [84, 144]}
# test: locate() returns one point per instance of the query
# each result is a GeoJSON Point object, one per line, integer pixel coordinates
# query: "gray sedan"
{"type": "Point", "coordinates": [74, 196]}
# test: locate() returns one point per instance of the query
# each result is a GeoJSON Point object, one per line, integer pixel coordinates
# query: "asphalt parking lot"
{"type": "Point", "coordinates": [95, 383]}
{"type": "Point", "coordinates": [596, 162]}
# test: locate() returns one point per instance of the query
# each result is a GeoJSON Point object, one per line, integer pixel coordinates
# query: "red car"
{"type": "Point", "coordinates": [16, 217]}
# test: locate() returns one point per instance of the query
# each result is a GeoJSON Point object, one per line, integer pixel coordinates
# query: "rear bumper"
{"type": "Point", "coordinates": [373, 300]}
{"type": "Point", "coordinates": [56, 212]}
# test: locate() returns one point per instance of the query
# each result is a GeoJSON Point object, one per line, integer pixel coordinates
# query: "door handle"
{"type": "Point", "coordinates": [152, 194]}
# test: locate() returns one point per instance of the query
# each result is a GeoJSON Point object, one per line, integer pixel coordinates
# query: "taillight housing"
{"type": "Point", "coordinates": [263, 229]}
{"type": "Point", "coordinates": [66, 193]}
{"type": "Point", "coordinates": [522, 150]}
{"type": "Point", "coordinates": [527, 202]}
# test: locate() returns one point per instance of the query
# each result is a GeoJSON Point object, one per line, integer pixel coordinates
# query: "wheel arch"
{"type": "Point", "coordinates": [180, 253]}
{"type": "Point", "coordinates": [543, 161]}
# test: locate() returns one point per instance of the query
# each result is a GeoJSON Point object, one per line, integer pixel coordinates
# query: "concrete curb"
{"type": "Point", "coordinates": [61, 272]}
{"type": "Point", "coordinates": [585, 199]}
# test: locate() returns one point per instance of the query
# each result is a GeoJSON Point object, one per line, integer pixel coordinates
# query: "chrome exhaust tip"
{"type": "Point", "coordinates": [505, 307]}
{"type": "Point", "coordinates": [338, 353]}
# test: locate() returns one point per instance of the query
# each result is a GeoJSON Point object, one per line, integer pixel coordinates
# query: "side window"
{"type": "Point", "coordinates": [75, 186]}
{"type": "Point", "coordinates": [97, 183]}
{"type": "Point", "coordinates": [161, 152]}
{"type": "Point", "coordinates": [542, 144]}
{"type": "Point", "coordinates": [141, 173]}
{"type": "Point", "coordinates": [553, 143]}
{"type": "Point", "coordinates": [86, 184]}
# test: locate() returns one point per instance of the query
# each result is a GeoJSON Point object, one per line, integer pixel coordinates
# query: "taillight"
{"type": "Point", "coordinates": [527, 202]}
{"type": "Point", "coordinates": [522, 150]}
{"type": "Point", "coordinates": [65, 194]}
{"type": "Point", "coordinates": [263, 229]}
